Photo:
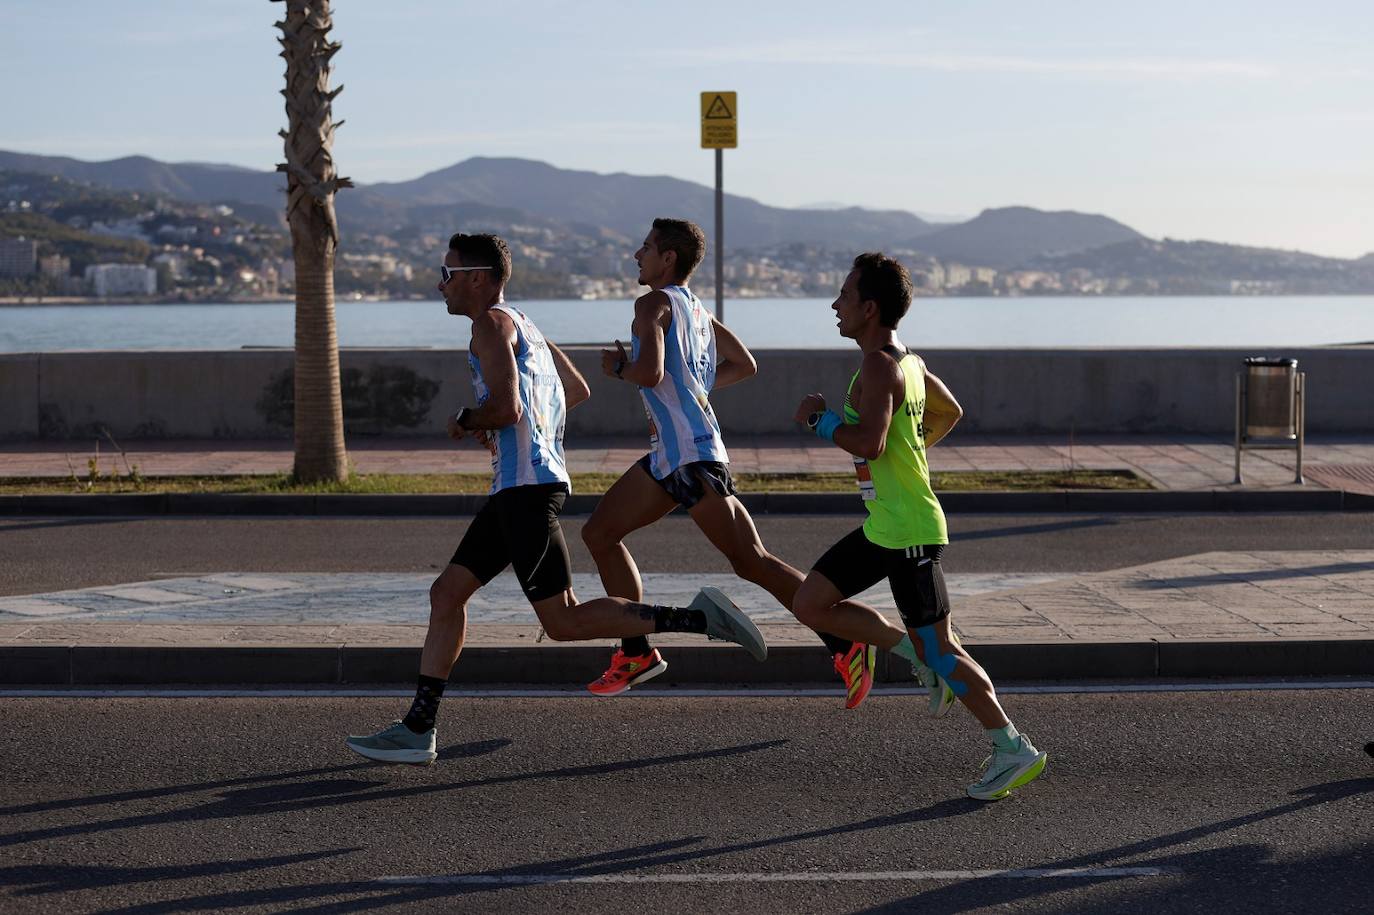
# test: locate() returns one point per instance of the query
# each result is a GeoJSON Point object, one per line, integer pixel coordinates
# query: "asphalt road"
{"type": "Point", "coordinates": [49, 554]}
{"type": "Point", "coordinates": [1246, 802]}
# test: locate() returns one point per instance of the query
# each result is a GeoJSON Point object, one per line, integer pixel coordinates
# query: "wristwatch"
{"type": "Point", "coordinates": [461, 416]}
{"type": "Point", "coordinates": [813, 419]}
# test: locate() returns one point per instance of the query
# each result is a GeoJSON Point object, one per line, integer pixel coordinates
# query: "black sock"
{"type": "Point", "coordinates": [635, 646]}
{"type": "Point", "coordinates": [678, 619]}
{"type": "Point", "coordinates": [425, 708]}
{"type": "Point", "coordinates": [836, 644]}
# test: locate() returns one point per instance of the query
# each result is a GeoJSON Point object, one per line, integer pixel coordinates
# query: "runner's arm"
{"type": "Point", "coordinates": [736, 362]}
{"type": "Point", "coordinates": [493, 343]}
{"type": "Point", "coordinates": [647, 370]}
{"type": "Point", "coordinates": [880, 379]}
{"type": "Point", "coordinates": [942, 410]}
{"type": "Point", "coordinates": [575, 389]}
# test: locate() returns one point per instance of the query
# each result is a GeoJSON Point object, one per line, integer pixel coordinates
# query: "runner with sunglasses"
{"type": "Point", "coordinates": [524, 386]}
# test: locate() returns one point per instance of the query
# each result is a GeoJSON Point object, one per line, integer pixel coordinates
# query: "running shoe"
{"type": "Point", "coordinates": [941, 693]}
{"type": "Point", "coordinates": [396, 744]}
{"type": "Point", "coordinates": [855, 668]}
{"type": "Point", "coordinates": [728, 623]}
{"type": "Point", "coordinates": [1005, 770]}
{"type": "Point", "coordinates": [626, 671]}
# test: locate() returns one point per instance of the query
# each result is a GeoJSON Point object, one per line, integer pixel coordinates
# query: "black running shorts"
{"type": "Point", "coordinates": [519, 526]}
{"type": "Point", "coordinates": [687, 485]}
{"type": "Point", "coordinates": [856, 564]}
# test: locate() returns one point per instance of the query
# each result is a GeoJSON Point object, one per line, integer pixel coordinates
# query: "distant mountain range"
{"type": "Point", "coordinates": [622, 203]}
{"type": "Point", "coordinates": [506, 190]}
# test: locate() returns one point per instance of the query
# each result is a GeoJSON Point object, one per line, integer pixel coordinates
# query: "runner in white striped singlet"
{"type": "Point", "coordinates": [679, 355]}
{"type": "Point", "coordinates": [522, 382]}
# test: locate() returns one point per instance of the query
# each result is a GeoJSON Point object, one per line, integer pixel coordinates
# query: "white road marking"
{"type": "Point", "coordinates": [1081, 873]}
{"type": "Point", "coordinates": [577, 692]}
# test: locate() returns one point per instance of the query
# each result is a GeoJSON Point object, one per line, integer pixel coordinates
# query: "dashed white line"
{"type": "Point", "coordinates": [1034, 873]}
{"type": "Point", "coordinates": [363, 692]}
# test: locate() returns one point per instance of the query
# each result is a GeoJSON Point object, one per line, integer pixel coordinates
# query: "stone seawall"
{"type": "Point", "coordinates": [247, 393]}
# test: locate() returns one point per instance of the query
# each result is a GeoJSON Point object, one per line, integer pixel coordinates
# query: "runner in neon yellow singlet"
{"type": "Point", "coordinates": [902, 508]}
{"type": "Point", "coordinates": [894, 409]}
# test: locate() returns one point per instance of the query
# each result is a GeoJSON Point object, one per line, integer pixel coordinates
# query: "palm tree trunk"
{"type": "Point", "coordinates": [311, 182]}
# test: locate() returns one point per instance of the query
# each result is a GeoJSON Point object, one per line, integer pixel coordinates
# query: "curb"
{"type": "Point", "coordinates": [87, 665]}
{"type": "Point", "coordinates": [775, 503]}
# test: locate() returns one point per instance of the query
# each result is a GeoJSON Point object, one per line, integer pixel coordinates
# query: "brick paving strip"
{"type": "Point", "coordinates": [1172, 462]}
{"type": "Point", "coordinates": [1212, 614]}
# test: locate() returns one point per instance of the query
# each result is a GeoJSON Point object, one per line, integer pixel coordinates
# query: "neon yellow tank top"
{"type": "Point", "coordinates": [902, 508]}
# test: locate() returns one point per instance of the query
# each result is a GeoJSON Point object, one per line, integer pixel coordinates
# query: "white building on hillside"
{"type": "Point", "coordinates": [121, 279]}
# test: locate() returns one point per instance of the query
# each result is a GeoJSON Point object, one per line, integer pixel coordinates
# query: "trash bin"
{"type": "Point", "coordinates": [1271, 403]}
{"type": "Point", "coordinates": [1271, 398]}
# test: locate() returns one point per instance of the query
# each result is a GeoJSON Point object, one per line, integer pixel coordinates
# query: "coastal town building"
{"type": "Point", "coordinates": [108, 280]}
{"type": "Point", "coordinates": [18, 256]}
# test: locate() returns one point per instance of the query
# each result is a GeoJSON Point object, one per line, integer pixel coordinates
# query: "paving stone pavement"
{"type": "Point", "coordinates": [1171, 462]}
{"type": "Point", "coordinates": [1271, 595]}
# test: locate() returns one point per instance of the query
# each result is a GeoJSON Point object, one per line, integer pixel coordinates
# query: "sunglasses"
{"type": "Point", "coordinates": [447, 272]}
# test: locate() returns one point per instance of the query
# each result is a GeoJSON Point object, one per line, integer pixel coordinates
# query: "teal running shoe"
{"type": "Point", "coordinates": [728, 623]}
{"type": "Point", "coordinates": [1007, 770]}
{"type": "Point", "coordinates": [396, 743]}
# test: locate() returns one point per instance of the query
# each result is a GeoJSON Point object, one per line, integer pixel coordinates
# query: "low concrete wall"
{"type": "Point", "coordinates": [246, 393]}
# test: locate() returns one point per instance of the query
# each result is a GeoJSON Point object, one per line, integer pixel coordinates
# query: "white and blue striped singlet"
{"type": "Point", "coordinates": [682, 425]}
{"type": "Point", "coordinates": [531, 451]}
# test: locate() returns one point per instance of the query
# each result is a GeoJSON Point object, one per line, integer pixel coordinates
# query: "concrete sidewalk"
{"type": "Point", "coordinates": [1219, 614]}
{"type": "Point", "coordinates": [1174, 463]}
{"type": "Point", "coordinates": [1212, 615]}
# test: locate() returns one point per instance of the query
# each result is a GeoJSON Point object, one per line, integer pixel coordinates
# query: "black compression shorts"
{"type": "Point", "coordinates": [519, 526]}
{"type": "Point", "coordinates": [855, 564]}
{"type": "Point", "coordinates": [687, 485]}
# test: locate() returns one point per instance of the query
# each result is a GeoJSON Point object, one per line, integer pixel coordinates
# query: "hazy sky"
{"type": "Point", "coordinates": [1244, 121]}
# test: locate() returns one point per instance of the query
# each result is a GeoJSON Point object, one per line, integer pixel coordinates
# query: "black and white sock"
{"type": "Point", "coordinates": [425, 708]}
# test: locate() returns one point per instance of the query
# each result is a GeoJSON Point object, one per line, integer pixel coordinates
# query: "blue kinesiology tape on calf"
{"type": "Point", "coordinates": [942, 664]}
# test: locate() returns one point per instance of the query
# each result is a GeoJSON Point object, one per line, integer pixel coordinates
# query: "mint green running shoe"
{"type": "Point", "coordinates": [728, 623]}
{"type": "Point", "coordinates": [1008, 770]}
{"type": "Point", "coordinates": [395, 743]}
{"type": "Point", "coordinates": [941, 693]}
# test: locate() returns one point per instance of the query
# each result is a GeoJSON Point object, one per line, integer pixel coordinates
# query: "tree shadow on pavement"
{"type": "Point", "coordinates": [1247, 867]}
{"type": "Point", "coordinates": [1240, 578]}
{"type": "Point", "coordinates": [29, 524]}
{"type": "Point", "coordinates": [457, 751]}
{"type": "Point", "coordinates": [1049, 527]}
{"type": "Point", "coordinates": [297, 796]}
{"type": "Point", "coordinates": [376, 894]}
{"type": "Point", "coordinates": [43, 879]}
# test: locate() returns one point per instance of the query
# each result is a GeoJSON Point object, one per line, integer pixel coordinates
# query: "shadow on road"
{"type": "Point", "coordinates": [456, 751]}
{"type": "Point", "coordinates": [332, 792]}
{"type": "Point", "coordinates": [1225, 872]}
{"type": "Point", "coordinates": [1021, 530]}
{"type": "Point", "coordinates": [1232, 578]}
{"type": "Point", "coordinates": [1237, 878]}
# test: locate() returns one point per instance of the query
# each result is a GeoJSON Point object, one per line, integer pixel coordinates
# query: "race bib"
{"type": "Point", "coordinates": [865, 480]}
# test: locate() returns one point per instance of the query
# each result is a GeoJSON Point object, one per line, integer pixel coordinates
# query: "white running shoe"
{"type": "Point", "coordinates": [1006, 770]}
{"type": "Point", "coordinates": [941, 693]}
{"type": "Point", "coordinates": [729, 623]}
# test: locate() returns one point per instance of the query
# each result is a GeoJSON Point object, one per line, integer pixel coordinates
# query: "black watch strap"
{"type": "Point", "coordinates": [461, 418]}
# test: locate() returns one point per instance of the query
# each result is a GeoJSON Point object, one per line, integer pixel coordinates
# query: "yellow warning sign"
{"type": "Point", "coordinates": [719, 121]}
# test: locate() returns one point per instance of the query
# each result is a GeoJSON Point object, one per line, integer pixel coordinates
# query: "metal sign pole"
{"type": "Point", "coordinates": [720, 235]}
{"type": "Point", "coordinates": [719, 131]}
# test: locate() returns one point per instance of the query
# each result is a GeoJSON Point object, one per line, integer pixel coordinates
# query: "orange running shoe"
{"type": "Point", "coordinates": [855, 668]}
{"type": "Point", "coordinates": [625, 672]}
